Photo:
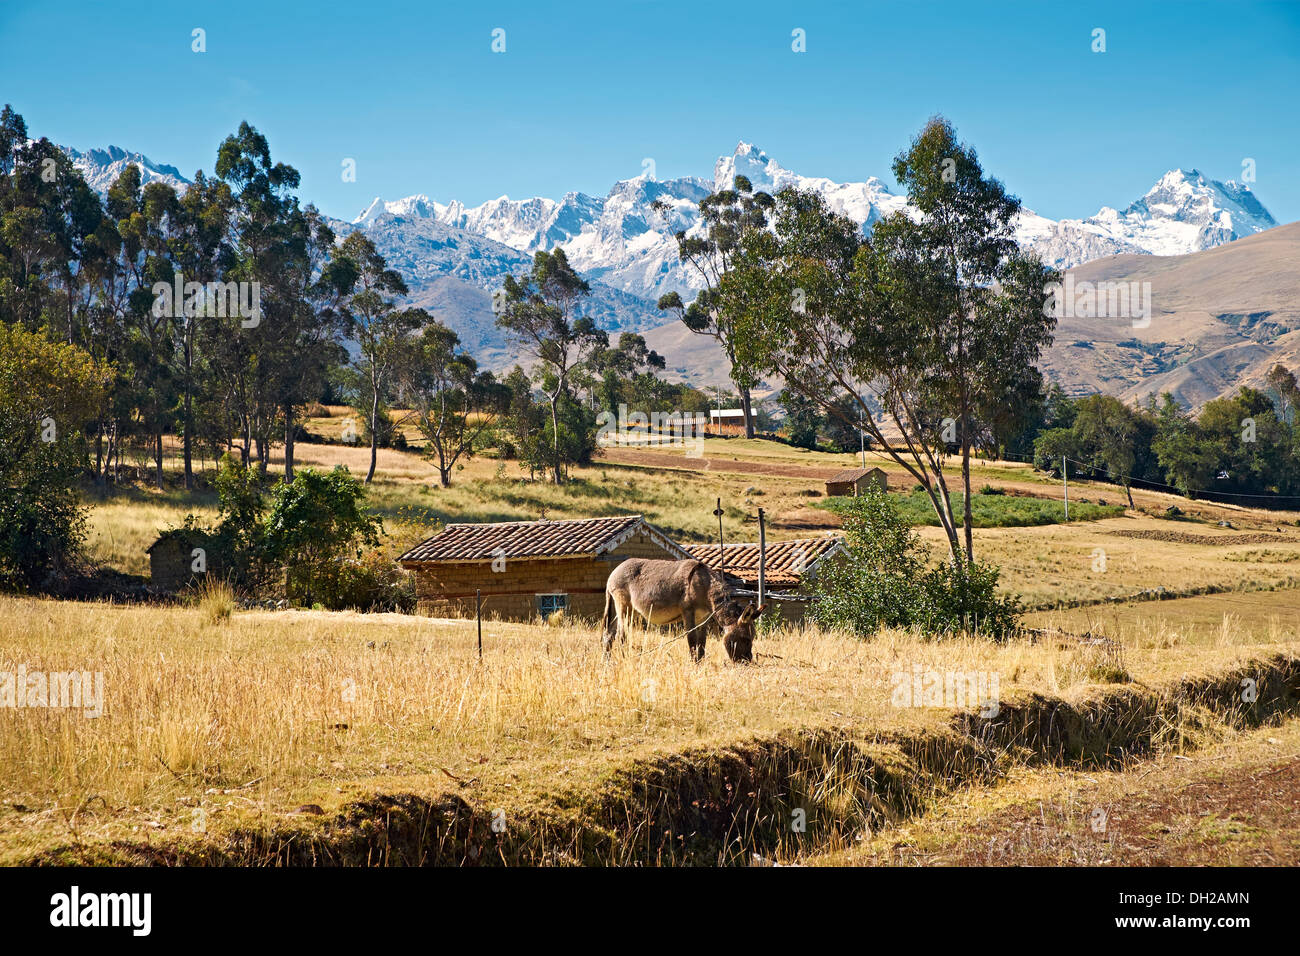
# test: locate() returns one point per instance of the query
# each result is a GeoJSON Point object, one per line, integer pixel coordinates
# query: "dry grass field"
{"type": "Point", "coordinates": [308, 736]}
{"type": "Point", "coordinates": [216, 727]}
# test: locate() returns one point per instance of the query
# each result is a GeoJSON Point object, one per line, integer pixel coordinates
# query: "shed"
{"type": "Point", "coordinates": [728, 421]}
{"type": "Point", "coordinates": [789, 565]}
{"type": "Point", "coordinates": [173, 563]}
{"type": "Point", "coordinates": [853, 481]}
{"type": "Point", "coordinates": [529, 569]}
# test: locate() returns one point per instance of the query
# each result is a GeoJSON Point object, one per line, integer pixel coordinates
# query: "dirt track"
{"type": "Point", "coordinates": [1223, 808]}
{"type": "Point", "coordinates": [1153, 501]}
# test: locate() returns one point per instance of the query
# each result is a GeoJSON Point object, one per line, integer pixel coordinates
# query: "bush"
{"type": "Point", "coordinates": [42, 522]}
{"type": "Point", "coordinates": [884, 581]}
{"type": "Point", "coordinates": [965, 599]}
{"type": "Point", "coordinates": [874, 587]}
{"type": "Point", "coordinates": [371, 582]}
{"type": "Point", "coordinates": [47, 390]}
{"type": "Point", "coordinates": [313, 522]}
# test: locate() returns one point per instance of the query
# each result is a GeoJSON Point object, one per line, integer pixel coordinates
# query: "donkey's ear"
{"type": "Point", "coordinates": [763, 609]}
{"type": "Point", "coordinates": [746, 615]}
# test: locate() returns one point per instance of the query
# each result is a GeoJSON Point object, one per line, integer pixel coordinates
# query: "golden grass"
{"type": "Point", "coordinates": [1088, 561]}
{"type": "Point", "coordinates": [271, 710]}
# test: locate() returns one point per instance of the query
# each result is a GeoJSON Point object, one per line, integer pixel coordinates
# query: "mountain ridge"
{"type": "Point", "coordinates": [453, 256]}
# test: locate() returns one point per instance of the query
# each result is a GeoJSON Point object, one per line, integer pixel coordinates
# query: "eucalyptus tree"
{"type": "Point", "coordinates": [454, 403]}
{"type": "Point", "coordinates": [384, 332]}
{"type": "Point", "coordinates": [929, 324]}
{"type": "Point", "coordinates": [539, 311]}
{"type": "Point", "coordinates": [268, 246]}
{"type": "Point", "coordinates": [728, 216]}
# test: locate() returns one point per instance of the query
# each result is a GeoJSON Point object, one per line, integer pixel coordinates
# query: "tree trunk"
{"type": "Point", "coordinates": [374, 434]}
{"type": "Point", "coordinates": [187, 425]}
{"type": "Point", "coordinates": [158, 458]}
{"type": "Point", "coordinates": [746, 405]}
{"type": "Point", "coordinates": [966, 505]}
{"type": "Point", "coordinates": [1128, 491]}
{"type": "Point", "coordinates": [555, 438]}
{"type": "Point", "coordinates": [288, 445]}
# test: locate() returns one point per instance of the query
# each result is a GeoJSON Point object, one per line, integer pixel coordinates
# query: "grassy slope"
{"type": "Point", "coordinates": [1236, 803]}
{"type": "Point", "coordinates": [249, 720]}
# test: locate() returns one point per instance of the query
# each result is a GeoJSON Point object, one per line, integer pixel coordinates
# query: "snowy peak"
{"type": "Point", "coordinates": [526, 224]}
{"type": "Point", "coordinates": [863, 202]}
{"type": "Point", "coordinates": [418, 206]}
{"type": "Point", "coordinates": [1185, 211]}
{"type": "Point", "coordinates": [100, 167]}
{"type": "Point", "coordinates": [1188, 196]}
{"type": "Point", "coordinates": [750, 161]}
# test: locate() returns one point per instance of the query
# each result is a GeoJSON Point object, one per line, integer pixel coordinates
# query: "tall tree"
{"type": "Point", "coordinates": [1109, 431]}
{"type": "Point", "coordinates": [201, 252]}
{"type": "Point", "coordinates": [929, 323]}
{"type": "Point", "coordinates": [382, 330]}
{"type": "Point", "coordinates": [454, 403]}
{"type": "Point", "coordinates": [727, 215]}
{"type": "Point", "coordinates": [540, 313]}
{"type": "Point", "coordinates": [268, 248]}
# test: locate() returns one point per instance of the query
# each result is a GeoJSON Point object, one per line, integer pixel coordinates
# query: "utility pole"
{"type": "Point", "coordinates": [478, 615]}
{"type": "Point", "coordinates": [722, 553]}
{"type": "Point", "coordinates": [1065, 479]}
{"type": "Point", "coordinates": [862, 443]}
{"type": "Point", "coordinates": [762, 557]}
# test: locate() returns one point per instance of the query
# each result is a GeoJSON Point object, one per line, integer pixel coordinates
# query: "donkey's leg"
{"type": "Point", "coordinates": [694, 634]}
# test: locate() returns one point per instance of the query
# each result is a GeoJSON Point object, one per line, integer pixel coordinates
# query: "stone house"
{"type": "Point", "coordinates": [529, 569]}
{"type": "Point", "coordinates": [853, 481]}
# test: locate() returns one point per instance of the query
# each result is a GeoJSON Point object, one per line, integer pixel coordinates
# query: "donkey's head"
{"type": "Point", "coordinates": [738, 633]}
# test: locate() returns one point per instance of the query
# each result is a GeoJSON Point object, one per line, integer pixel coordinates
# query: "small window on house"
{"type": "Point", "coordinates": [548, 604]}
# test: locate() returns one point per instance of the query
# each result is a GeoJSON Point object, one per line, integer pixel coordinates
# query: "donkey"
{"type": "Point", "coordinates": [663, 592]}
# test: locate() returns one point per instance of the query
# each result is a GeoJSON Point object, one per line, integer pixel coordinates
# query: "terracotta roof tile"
{"type": "Point", "coordinates": [852, 474]}
{"type": "Point", "coordinates": [533, 539]}
{"type": "Point", "coordinates": [786, 560]}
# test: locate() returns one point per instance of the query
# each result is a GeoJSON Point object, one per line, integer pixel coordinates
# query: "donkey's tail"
{"type": "Point", "coordinates": [610, 612]}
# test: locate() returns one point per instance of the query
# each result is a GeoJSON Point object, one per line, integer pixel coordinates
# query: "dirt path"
{"type": "Point", "coordinates": [1237, 804]}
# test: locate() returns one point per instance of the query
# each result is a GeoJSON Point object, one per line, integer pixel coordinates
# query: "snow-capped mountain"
{"type": "Point", "coordinates": [623, 241]}
{"type": "Point", "coordinates": [100, 167]}
{"type": "Point", "coordinates": [1184, 212]}
{"type": "Point", "coordinates": [863, 202]}
{"type": "Point", "coordinates": [454, 255]}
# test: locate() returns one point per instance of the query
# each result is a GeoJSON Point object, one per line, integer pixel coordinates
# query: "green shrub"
{"type": "Point", "coordinates": [313, 523]}
{"type": "Point", "coordinates": [371, 582]}
{"type": "Point", "coordinates": [884, 581]}
{"type": "Point", "coordinates": [965, 599]}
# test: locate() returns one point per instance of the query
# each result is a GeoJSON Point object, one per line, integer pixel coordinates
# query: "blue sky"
{"type": "Point", "coordinates": [586, 91]}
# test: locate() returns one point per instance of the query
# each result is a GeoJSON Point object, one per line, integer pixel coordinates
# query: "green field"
{"type": "Point", "coordinates": [990, 510]}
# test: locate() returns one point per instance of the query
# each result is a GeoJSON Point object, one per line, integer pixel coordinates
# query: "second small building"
{"type": "Point", "coordinates": [529, 569]}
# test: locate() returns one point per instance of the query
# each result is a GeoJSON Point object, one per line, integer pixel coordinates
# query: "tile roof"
{"type": "Point", "coordinates": [534, 539]}
{"type": "Point", "coordinates": [786, 560]}
{"type": "Point", "coordinates": [851, 474]}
